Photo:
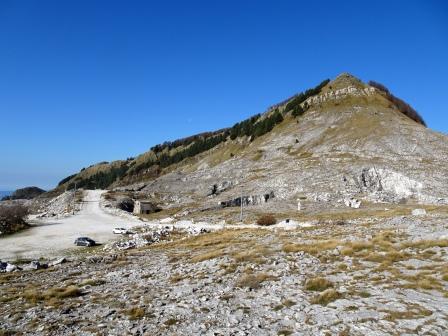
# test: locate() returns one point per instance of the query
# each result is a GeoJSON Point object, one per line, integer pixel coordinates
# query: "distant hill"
{"type": "Point", "coordinates": [4, 193]}
{"type": "Point", "coordinates": [24, 193]}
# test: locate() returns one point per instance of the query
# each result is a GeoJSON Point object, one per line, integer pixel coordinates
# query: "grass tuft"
{"type": "Point", "coordinates": [317, 284]}
{"type": "Point", "coordinates": [253, 280]}
{"type": "Point", "coordinates": [135, 313]}
{"type": "Point", "coordinates": [327, 296]}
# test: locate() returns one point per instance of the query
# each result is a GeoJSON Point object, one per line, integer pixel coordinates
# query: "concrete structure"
{"type": "Point", "coordinates": [144, 207]}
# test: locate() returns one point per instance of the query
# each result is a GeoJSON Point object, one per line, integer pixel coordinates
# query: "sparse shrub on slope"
{"type": "Point", "coordinates": [266, 220]}
{"type": "Point", "coordinates": [402, 106]}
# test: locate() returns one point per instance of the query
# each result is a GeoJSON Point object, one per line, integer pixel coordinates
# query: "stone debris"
{"type": "Point", "coordinates": [139, 240]}
{"type": "Point", "coordinates": [418, 212]}
{"type": "Point", "coordinates": [194, 231]}
{"type": "Point", "coordinates": [152, 235]}
{"type": "Point", "coordinates": [352, 203]}
{"type": "Point", "coordinates": [60, 206]}
{"type": "Point", "coordinates": [7, 267]}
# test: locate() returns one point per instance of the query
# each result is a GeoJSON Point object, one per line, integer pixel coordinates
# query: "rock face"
{"type": "Point", "coordinates": [247, 200]}
{"type": "Point", "coordinates": [25, 193]}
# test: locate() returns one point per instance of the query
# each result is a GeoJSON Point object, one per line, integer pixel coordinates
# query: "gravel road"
{"type": "Point", "coordinates": [52, 237]}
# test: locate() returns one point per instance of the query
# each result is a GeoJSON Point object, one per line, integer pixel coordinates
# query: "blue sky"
{"type": "Point", "coordinates": [89, 81]}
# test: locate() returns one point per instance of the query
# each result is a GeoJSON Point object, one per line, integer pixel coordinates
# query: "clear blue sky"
{"type": "Point", "coordinates": [89, 81]}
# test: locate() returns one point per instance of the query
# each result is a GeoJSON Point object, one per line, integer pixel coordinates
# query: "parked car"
{"type": "Point", "coordinates": [84, 241]}
{"type": "Point", "coordinates": [120, 231]}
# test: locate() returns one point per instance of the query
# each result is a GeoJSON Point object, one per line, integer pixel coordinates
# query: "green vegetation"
{"type": "Point", "coordinates": [100, 180]}
{"type": "Point", "coordinates": [68, 178]}
{"type": "Point", "coordinates": [294, 104]}
{"type": "Point", "coordinates": [172, 152]}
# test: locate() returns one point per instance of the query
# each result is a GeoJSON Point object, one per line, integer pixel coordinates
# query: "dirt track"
{"type": "Point", "coordinates": [52, 237]}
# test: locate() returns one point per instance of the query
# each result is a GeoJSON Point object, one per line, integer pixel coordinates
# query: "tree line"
{"type": "Point", "coordinates": [253, 127]}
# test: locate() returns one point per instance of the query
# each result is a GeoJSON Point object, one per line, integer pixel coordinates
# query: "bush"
{"type": "Point", "coordinates": [266, 220]}
{"type": "Point", "coordinates": [12, 218]}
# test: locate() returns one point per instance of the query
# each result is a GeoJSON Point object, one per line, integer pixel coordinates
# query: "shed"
{"type": "Point", "coordinates": [145, 207]}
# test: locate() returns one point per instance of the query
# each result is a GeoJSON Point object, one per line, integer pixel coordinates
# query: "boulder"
{"type": "Point", "coordinates": [58, 261]}
{"type": "Point", "coordinates": [11, 268]}
{"type": "Point", "coordinates": [35, 264]}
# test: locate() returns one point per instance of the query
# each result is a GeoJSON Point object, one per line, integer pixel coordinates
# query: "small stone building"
{"type": "Point", "coordinates": [145, 207]}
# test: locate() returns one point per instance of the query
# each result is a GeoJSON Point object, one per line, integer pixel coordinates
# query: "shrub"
{"type": "Point", "coordinates": [266, 220]}
{"type": "Point", "coordinates": [12, 218]}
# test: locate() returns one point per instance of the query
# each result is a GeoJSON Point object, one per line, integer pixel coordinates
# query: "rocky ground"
{"type": "Point", "coordinates": [376, 276]}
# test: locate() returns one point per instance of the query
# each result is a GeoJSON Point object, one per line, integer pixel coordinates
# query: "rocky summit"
{"type": "Point", "coordinates": [325, 215]}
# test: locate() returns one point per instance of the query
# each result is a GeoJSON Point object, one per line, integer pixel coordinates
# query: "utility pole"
{"type": "Point", "coordinates": [241, 203]}
{"type": "Point", "coordinates": [74, 199]}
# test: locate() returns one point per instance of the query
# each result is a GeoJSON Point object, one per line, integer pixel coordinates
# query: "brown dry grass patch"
{"type": "Point", "coordinates": [317, 284]}
{"type": "Point", "coordinates": [253, 280]}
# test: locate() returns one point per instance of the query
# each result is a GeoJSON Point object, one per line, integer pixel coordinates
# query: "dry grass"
{"type": "Point", "coordinates": [288, 303]}
{"type": "Point", "coordinates": [170, 322]}
{"type": "Point", "coordinates": [352, 248]}
{"type": "Point", "coordinates": [175, 278]}
{"type": "Point", "coordinates": [135, 313]}
{"type": "Point", "coordinates": [93, 282]}
{"type": "Point", "coordinates": [317, 284]}
{"type": "Point", "coordinates": [327, 296]}
{"type": "Point", "coordinates": [253, 280]}
{"type": "Point", "coordinates": [254, 255]}
{"type": "Point", "coordinates": [422, 281]}
{"type": "Point", "coordinates": [34, 295]}
{"type": "Point", "coordinates": [413, 311]}
{"type": "Point", "coordinates": [425, 244]}
{"type": "Point", "coordinates": [312, 248]}
{"type": "Point", "coordinates": [208, 256]}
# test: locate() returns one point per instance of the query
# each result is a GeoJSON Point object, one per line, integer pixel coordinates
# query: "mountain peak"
{"type": "Point", "coordinates": [345, 80]}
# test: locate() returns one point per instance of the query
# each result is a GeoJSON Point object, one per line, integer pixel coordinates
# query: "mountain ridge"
{"type": "Point", "coordinates": [151, 164]}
